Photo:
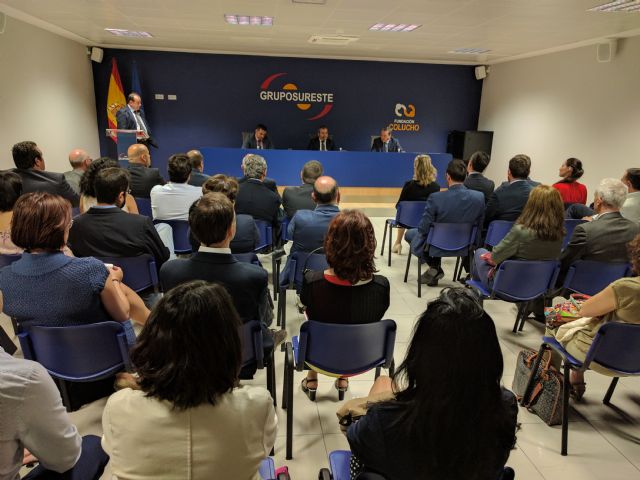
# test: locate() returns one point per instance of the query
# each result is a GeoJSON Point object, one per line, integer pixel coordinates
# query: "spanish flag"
{"type": "Point", "coordinates": [115, 97]}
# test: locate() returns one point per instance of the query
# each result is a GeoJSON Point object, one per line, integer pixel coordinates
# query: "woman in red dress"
{"type": "Point", "coordinates": [570, 189]}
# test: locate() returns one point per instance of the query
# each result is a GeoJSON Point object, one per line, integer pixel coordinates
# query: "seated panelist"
{"type": "Point", "coordinates": [321, 142]}
{"type": "Point", "coordinates": [385, 143]}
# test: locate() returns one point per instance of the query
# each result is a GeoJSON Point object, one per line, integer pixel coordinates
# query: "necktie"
{"type": "Point", "coordinates": [386, 146]}
{"type": "Point", "coordinates": [259, 145]}
{"type": "Point", "coordinates": [141, 125]}
{"type": "Point", "coordinates": [322, 147]}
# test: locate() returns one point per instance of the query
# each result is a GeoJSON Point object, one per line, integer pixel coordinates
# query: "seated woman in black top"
{"type": "Point", "coordinates": [416, 190]}
{"type": "Point", "coordinates": [348, 291]}
{"type": "Point", "coordinates": [450, 418]}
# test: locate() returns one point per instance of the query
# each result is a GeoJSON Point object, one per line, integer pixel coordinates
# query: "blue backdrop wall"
{"type": "Point", "coordinates": [219, 96]}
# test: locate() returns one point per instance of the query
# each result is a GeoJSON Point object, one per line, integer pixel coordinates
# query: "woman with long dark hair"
{"type": "Point", "coordinates": [87, 189]}
{"type": "Point", "coordinates": [450, 418]}
{"type": "Point", "coordinates": [570, 189]}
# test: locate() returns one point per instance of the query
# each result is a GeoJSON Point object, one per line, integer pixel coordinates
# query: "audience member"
{"type": "Point", "coordinates": [385, 143]}
{"type": "Point", "coordinates": [348, 291]}
{"type": "Point", "coordinates": [527, 160]}
{"type": "Point", "coordinates": [198, 177]}
{"type": "Point", "coordinates": [458, 204]}
{"type": "Point", "coordinates": [173, 200]}
{"type": "Point", "coordinates": [259, 140]}
{"type": "Point", "coordinates": [88, 191]}
{"type": "Point", "coordinates": [255, 198]}
{"type": "Point", "coordinates": [619, 302]}
{"type": "Point", "coordinates": [190, 413]}
{"type": "Point", "coordinates": [321, 141]}
{"type": "Point", "coordinates": [418, 434]}
{"type": "Point", "coordinates": [107, 231]}
{"type": "Point", "coordinates": [478, 162]}
{"type": "Point", "coordinates": [46, 287]}
{"type": "Point", "coordinates": [418, 189]}
{"type": "Point", "coordinates": [143, 177]}
{"type": "Point", "coordinates": [537, 235]}
{"type": "Point", "coordinates": [30, 165]}
{"type": "Point", "coordinates": [570, 189]}
{"type": "Point", "coordinates": [37, 428]}
{"type": "Point", "coordinates": [10, 191]}
{"type": "Point", "coordinates": [268, 182]}
{"type": "Point", "coordinates": [299, 198]}
{"type": "Point", "coordinates": [80, 161]}
{"type": "Point", "coordinates": [507, 201]}
{"type": "Point", "coordinates": [631, 207]}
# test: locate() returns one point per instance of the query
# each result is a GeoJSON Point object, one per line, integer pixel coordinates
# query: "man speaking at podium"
{"type": "Point", "coordinates": [132, 118]}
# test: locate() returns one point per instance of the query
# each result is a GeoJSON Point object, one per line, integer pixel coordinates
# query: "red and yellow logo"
{"type": "Point", "coordinates": [290, 93]}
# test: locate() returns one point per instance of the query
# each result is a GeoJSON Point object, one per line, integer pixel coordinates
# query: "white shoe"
{"type": "Point", "coordinates": [397, 248]}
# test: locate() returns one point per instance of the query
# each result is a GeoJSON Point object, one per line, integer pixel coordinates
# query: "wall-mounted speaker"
{"type": "Point", "coordinates": [481, 72]}
{"type": "Point", "coordinates": [3, 22]}
{"type": "Point", "coordinates": [607, 50]}
{"type": "Point", "coordinates": [97, 54]}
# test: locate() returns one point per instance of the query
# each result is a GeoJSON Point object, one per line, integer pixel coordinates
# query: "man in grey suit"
{"type": "Point", "coordinates": [80, 161]}
{"type": "Point", "coordinates": [299, 198]}
{"type": "Point", "coordinates": [475, 180]}
{"type": "Point", "coordinates": [198, 177]}
{"type": "Point", "coordinates": [385, 143]}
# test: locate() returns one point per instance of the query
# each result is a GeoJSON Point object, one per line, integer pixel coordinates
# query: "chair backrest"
{"type": "Point", "coordinates": [299, 263]}
{"type": "Point", "coordinates": [252, 347]}
{"type": "Point", "coordinates": [524, 280]}
{"type": "Point", "coordinates": [266, 234]}
{"type": "Point", "coordinates": [78, 353]}
{"type": "Point", "coordinates": [180, 228]}
{"type": "Point", "coordinates": [8, 259]}
{"type": "Point", "coordinates": [283, 229]}
{"type": "Point", "coordinates": [408, 214]}
{"type": "Point", "coordinates": [346, 349]}
{"type": "Point", "coordinates": [144, 206]}
{"type": "Point", "coordinates": [451, 236]}
{"type": "Point", "coordinates": [616, 346]}
{"type": "Point", "coordinates": [590, 277]}
{"type": "Point", "coordinates": [248, 258]}
{"type": "Point", "coordinates": [139, 273]}
{"type": "Point", "coordinates": [497, 230]}
{"type": "Point", "coordinates": [569, 225]}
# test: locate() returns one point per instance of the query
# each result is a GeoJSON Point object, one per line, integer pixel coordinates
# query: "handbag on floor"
{"type": "Point", "coordinates": [545, 399]}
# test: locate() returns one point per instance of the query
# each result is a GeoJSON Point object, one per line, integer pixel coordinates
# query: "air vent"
{"type": "Point", "coordinates": [336, 40]}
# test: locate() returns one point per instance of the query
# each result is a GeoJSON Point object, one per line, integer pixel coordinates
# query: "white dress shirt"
{"type": "Point", "coordinates": [173, 200]}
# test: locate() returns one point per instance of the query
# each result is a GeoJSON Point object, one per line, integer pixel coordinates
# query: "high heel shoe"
{"type": "Point", "coordinates": [577, 390]}
{"type": "Point", "coordinates": [397, 248]}
{"type": "Point", "coordinates": [340, 389]}
{"type": "Point", "coordinates": [311, 392]}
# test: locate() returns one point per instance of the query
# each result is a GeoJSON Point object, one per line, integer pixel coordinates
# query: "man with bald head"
{"type": "Point", "coordinates": [197, 177]}
{"type": "Point", "coordinates": [143, 178]}
{"type": "Point", "coordinates": [80, 161]}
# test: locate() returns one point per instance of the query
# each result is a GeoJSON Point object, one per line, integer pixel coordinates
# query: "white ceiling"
{"type": "Point", "coordinates": [510, 28]}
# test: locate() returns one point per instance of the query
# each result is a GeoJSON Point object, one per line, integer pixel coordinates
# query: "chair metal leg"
{"type": "Point", "coordinates": [612, 386]}
{"type": "Point", "coordinates": [565, 410]}
{"type": "Point", "coordinates": [455, 270]}
{"type": "Point", "coordinates": [289, 452]}
{"type": "Point", "coordinates": [523, 316]}
{"type": "Point", "coordinates": [64, 392]}
{"type": "Point", "coordinates": [406, 272]}
{"type": "Point", "coordinates": [271, 379]}
{"type": "Point", "coordinates": [390, 237]}
{"type": "Point", "coordinates": [419, 275]}
{"type": "Point", "coordinates": [377, 372]}
{"type": "Point", "coordinates": [288, 364]}
{"type": "Point", "coordinates": [384, 236]}
{"type": "Point", "coordinates": [274, 276]}
{"type": "Point", "coordinates": [517, 325]}
{"type": "Point", "coordinates": [527, 390]}
{"type": "Point", "coordinates": [392, 367]}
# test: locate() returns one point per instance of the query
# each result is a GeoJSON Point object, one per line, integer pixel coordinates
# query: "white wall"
{"type": "Point", "coordinates": [46, 95]}
{"type": "Point", "coordinates": [565, 105]}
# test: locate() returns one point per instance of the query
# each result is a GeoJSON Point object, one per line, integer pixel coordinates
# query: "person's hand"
{"type": "Point", "coordinates": [488, 259]}
{"type": "Point", "coordinates": [116, 273]}
{"type": "Point", "coordinates": [588, 219]}
{"type": "Point", "coordinates": [28, 458]}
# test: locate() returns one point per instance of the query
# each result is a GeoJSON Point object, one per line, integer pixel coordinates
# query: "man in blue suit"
{"type": "Point", "coordinates": [385, 143]}
{"type": "Point", "coordinates": [508, 201]}
{"type": "Point", "coordinates": [458, 204]}
{"type": "Point", "coordinates": [132, 118]}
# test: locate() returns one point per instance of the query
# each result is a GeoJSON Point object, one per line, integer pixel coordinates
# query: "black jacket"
{"type": "Point", "coordinates": [256, 199]}
{"type": "Point", "coordinates": [49, 182]}
{"type": "Point", "coordinates": [314, 144]}
{"type": "Point", "coordinates": [507, 202]}
{"type": "Point", "coordinates": [297, 198]}
{"type": "Point", "coordinates": [477, 181]}
{"type": "Point", "coordinates": [143, 179]}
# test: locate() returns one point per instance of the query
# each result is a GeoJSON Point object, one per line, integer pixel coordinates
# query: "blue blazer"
{"type": "Point", "coordinates": [458, 204]}
{"type": "Point", "coordinates": [126, 120]}
{"type": "Point", "coordinates": [378, 145]}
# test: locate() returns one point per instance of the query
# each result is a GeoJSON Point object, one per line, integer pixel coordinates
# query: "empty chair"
{"type": "Point", "coordinates": [590, 277]}
{"type": "Point", "coordinates": [144, 206]}
{"type": "Point", "coordinates": [497, 230]}
{"type": "Point", "coordinates": [408, 215]}
{"type": "Point", "coordinates": [139, 273]}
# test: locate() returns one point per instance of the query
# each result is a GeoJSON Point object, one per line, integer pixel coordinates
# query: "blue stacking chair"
{"type": "Point", "coordinates": [266, 240]}
{"type": "Point", "coordinates": [497, 230]}
{"type": "Point", "coordinates": [408, 215]}
{"type": "Point", "coordinates": [590, 277]}
{"type": "Point", "coordinates": [339, 461]}
{"type": "Point", "coordinates": [283, 230]}
{"type": "Point", "coordinates": [267, 471]}
{"type": "Point", "coordinates": [616, 347]}
{"type": "Point", "coordinates": [520, 281]}
{"type": "Point", "coordinates": [144, 206]}
{"type": "Point", "coordinates": [569, 225]}
{"type": "Point", "coordinates": [139, 273]}
{"type": "Point", "coordinates": [248, 258]}
{"type": "Point", "coordinates": [455, 238]}
{"type": "Point", "coordinates": [300, 262]}
{"type": "Point", "coordinates": [79, 353]}
{"type": "Point", "coordinates": [342, 350]}
{"type": "Point", "coordinates": [253, 354]}
{"type": "Point", "coordinates": [180, 233]}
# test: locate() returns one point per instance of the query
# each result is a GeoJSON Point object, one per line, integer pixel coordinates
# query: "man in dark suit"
{"type": "Point", "coordinates": [270, 183]}
{"type": "Point", "coordinates": [143, 177]}
{"type": "Point", "coordinates": [197, 177]}
{"type": "Point", "coordinates": [605, 238]}
{"type": "Point", "coordinates": [475, 180]}
{"type": "Point", "coordinates": [132, 117]}
{"type": "Point", "coordinates": [457, 204]}
{"type": "Point", "coordinates": [29, 162]}
{"type": "Point", "coordinates": [385, 143]}
{"type": "Point", "coordinates": [507, 202]}
{"type": "Point", "coordinates": [299, 198]}
{"type": "Point", "coordinates": [321, 142]}
{"type": "Point", "coordinates": [259, 140]}
{"type": "Point", "coordinates": [106, 231]}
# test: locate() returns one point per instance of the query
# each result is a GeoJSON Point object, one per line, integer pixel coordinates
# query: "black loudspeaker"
{"type": "Point", "coordinates": [463, 144]}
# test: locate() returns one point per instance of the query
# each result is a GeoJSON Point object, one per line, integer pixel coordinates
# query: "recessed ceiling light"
{"type": "Point", "coordinates": [470, 51]}
{"type": "Point", "coordinates": [255, 20]}
{"type": "Point", "coordinates": [119, 32]}
{"type": "Point", "coordinates": [394, 27]}
{"type": "Point", "coordinates": [618, 6]}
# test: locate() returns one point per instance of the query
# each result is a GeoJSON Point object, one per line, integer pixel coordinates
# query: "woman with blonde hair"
{"type": "Point", "coordinates": [418, 189]}
{"type": "Point", "coordinates": [536, 235]}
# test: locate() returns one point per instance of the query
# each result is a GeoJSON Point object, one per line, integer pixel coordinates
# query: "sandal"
{"type": "Point", "coordinates": [340, 389]}
{"type": "Point", "coordinates": [310, 392]}
{"type": "Point", "coordinates": [577, 390]}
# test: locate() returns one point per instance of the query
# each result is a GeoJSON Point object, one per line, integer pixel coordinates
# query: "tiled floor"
{"type": "Point", "coordinates": [604, 442]}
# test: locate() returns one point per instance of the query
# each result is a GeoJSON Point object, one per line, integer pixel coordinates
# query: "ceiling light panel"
{"type": "Point", "coordinates": [254, 20]}
{"type": "Point", "coordinates": [119, 32]}
{"type": "Point", "coordinates": [315, 2]}
{"type": "Point", "coordinates": [393, 27]}
{"type": "Point", "coordinates": [618, 6]}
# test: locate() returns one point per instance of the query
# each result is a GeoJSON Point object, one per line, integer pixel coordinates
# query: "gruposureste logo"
{"type": "Point", "coordinates": [404, 121]}
{"type": "Point", "coordinates": [290, 93]}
